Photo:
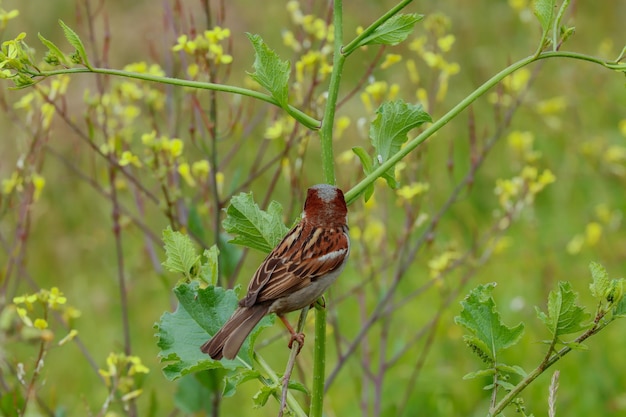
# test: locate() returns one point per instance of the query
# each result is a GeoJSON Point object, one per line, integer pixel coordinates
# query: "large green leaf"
{"type": "Point", "coordinates": [488, 335]}
{"type": "Point", "coordinates": [181, 255]}
{"type": "Point", "coordinates": [564, 315]}
{"type": "Point", "coordinates": [389, 131]}
{"type": "Point", "coordinates": [199, 315]}
{"type": "Point", "coordinates": [270, 71]}
{"type": "Point", "coordinates": [252, 226]}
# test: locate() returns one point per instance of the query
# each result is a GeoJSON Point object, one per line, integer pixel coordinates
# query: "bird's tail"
{"type": "Point", "coordinates": [228, 340]}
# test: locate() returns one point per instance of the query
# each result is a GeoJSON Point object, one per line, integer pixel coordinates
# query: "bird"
{"type": "Point", "coordinates": [295, 273]}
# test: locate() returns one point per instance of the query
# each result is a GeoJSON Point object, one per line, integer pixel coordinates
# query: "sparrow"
{"type": "Point", "coordinates": [295, 273]}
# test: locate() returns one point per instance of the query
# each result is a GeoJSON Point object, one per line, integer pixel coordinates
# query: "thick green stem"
{"type": "Point", "coordinates": [355, 191]}
{"type": "Point", "coordinates": [319, 363]}
{"type": "Point", "coordinates": [328, 167]}
{"type": "Point", "coordinates": [302, 117]}
{"type": "Point", "coordinates": [326, 132]}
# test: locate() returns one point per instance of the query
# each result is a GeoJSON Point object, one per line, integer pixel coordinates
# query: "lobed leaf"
{"type": "Point", "coordinates": [389, 131]}
{"type": "Point", "coordinates": [75, 41]}
{"type": "Point", "coordinates": [564, 316]}
{"type": "Point", "coordinates": [600, 281]}
{"type": "Point", "coordinates": [181, 255]}
{"type": "Point", "coordinates": [270, 71]}
{"type": "Point", "coordinates": [209, 271]}
{"type": "Point", "coordinates": [252, 226]}
{"type": "Point", "coordinates": [481, 318]}
{"type": "Point", "coordinates": [544, 11]}
{"type": "Point", "coordinates": [53, 49]}
{"type": "Point", "coordinates": [393, 31]}
{"type": "Point", "coordinates": [199, 315]}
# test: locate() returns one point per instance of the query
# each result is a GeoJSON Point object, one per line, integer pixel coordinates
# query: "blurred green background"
{"type": "Point", "coordinates": [71, 244]}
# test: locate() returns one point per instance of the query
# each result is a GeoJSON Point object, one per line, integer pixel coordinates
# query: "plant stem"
{"type": "Point", "coordinates": [359, 188]}
{"type": "Point", "coordinates": [293, 403]}
{"type": "Point", "coordinates": [326, 131]}
{"type": "Point", "coordinates": [319, 362]}
{"type": "Point", "coordinates": [300, 116]}
{"type": "Point", "coordinates": [545, 364]}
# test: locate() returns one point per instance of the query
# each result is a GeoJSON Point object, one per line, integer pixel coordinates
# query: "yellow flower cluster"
{"type": "Point", "coordinates": [53, 299]}
{"type": "Point", "coordinates": [121, 373]}
{"type": "Point", "coordinates": [434, 55]}
{"type": "Point", "coordinates": [313, 44]}
{"type": "Point", "coordinates": [207, 45]}
{"type": "Point", "coordinates": [519, 191]}
{"type": "Point", "coordinates": [377, 92]}
{"type": "Point", "coordinates": [605, 219]}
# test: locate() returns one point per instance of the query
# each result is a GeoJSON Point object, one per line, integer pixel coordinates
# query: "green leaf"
{"type": "Point", "coordinates": [209, 269]}
{"type": "Point", "coordinates": [252, 226]}
{"type": "Point", "coordinates": [75, 41]}
{"type": "Point", "coordinates": [544, 11]}
{"type": "Point", "coordinates": [481, 318]}
{"type": "Point", "coordinates": [270, 71]}
{"type": "Point", "coordinates": [600, 281]}
{"type": "Point", "coordinates": [180, 253]}
{"type": "Point", "coordinates": [389, 131]}
{"type": "Point", "coordinates": [393, 31]}
{"type": "Point", "coordinates": [367, 163]}
{"type": "Point", "coordinates": [564, 316]}
{"type": "Point", "coordinates": [233, 381]}
{"type": "Point", "coordinates": [620, 308]}
{"type": "Point", "coordinates": [261, 397]}
{"type": "Point", "coordinates": [192, 396]}
{"type": "Point", "coordinates": [512, 369]}
{"type": "Point", "coordinates": [480, 373]}
{"type": "Point", "coordinates": [199, 315]}
{"type": "Point", "coordinates": [54, 50]}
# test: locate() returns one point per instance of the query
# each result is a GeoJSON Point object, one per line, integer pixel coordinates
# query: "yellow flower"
{"type": "Point", "coordinates": [185, 44]}
{"type": "Point", "coordinates": [517, 80]}
{"type": "Point", "coordinates": [408, 192]}
{"type": "Point", "coordinates": [622, 127]}
{"type": "Point", "coordinates": [374, 232]}
{"type": "Point", "coordinates": [552, 106]}
{"type": "Point", "coordinates": [390, 59]}
{"type": "Point", "coordinates": [148, 138]}
{"type": "Point", "coordinates": [12, 183]}
{"type": "Point", "coordinates": [445, 43]}
{"type": "Point", "coordinates": [185, 172]}
{"type": "Point", "coordinates": [200, 169]}
{"type": "Point", "coordinates": [615, 154]}
{"type": "Point", "coordinates": [575, 245]}
{"type": "Point", "coordinates": [341, 124]}
{"type": "Point", "coordinates": [412, 70]}
{"type": "Point", "coordinates": [129, 159]}
{"type": "Point", "coordinates": [290, 41]}
{"type": "Point", "coordinates": [40, 324]}
{"type": "Point", "coordinates": [593, 232]}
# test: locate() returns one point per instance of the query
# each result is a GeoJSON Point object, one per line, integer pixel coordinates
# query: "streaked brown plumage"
{"type": "Point", "coordinates": [295, 274]}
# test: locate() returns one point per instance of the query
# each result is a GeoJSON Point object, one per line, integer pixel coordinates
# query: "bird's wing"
{"type": "Point", "coordinates": [305, 254]}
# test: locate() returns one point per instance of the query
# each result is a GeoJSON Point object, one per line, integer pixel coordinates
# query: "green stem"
{"type": "Point", "coordinates": [302, 117]}
{"type": "Point", "coordinates": [326, 131]}
{"type": "Point", "coordinates": [328, 168]}
{"type": "Point", "coordinates": [319, 363]}
{"type": "Point", "coordinates": [291, 401]}
{"type": "Point", "coordinates": [359, 188]}
{"type": "Point", "coordinates": [352, 46]}
{"type": "Point", "coordinates": [544, 365]}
